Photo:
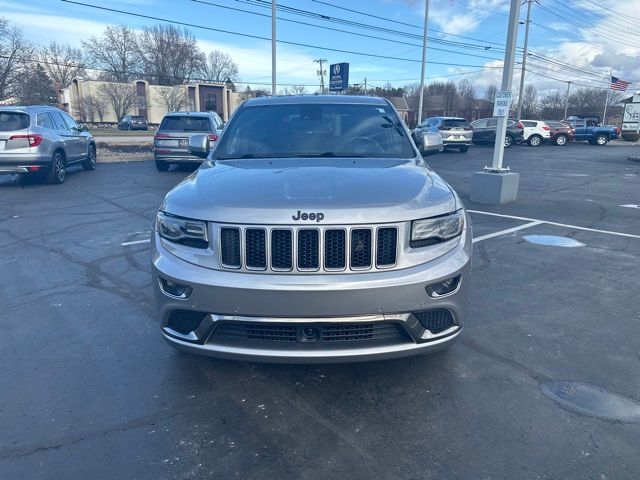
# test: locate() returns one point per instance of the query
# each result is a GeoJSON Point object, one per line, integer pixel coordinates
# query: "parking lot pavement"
{"type": "Point", "coordinates": [88, 389]}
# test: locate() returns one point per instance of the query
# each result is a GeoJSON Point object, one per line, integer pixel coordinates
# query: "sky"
{"type": "Point", "coordinates": [569, 40]}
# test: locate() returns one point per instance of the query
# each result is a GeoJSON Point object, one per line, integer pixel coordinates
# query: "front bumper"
{"type": "Point", "coordinates": [390, 297]}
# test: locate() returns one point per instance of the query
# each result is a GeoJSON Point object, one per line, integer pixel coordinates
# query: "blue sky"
{"type": "Point", "coordinates": [483, 22]}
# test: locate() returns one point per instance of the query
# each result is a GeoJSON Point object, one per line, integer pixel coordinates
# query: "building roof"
{"type": "Point", "coordinates": [399, 102]}
{"type": "Point", "coordinates": [315, 99]}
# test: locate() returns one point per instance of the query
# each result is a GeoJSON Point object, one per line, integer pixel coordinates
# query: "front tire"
{"type": "Point", "coordinates": [464, 149]}
{"type": "Point", "coordinates": [90, 162]}
{"type": "Point", "coordinates": [535, 141]}
{"type": "Point", "coordinates": [162, 166]}
{"type": "Point", "coordinates": [508, 141]}
{"type": "Point", "coordinates": [601, 140]}
{"type": "Point", "coordinates": [561, 140]}
{"type": "Point", "coordinates": [57, 171]}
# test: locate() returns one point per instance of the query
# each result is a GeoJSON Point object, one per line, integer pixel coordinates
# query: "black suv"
{"type": "Point", "coordinates": [484, 131]}
{"type": "Point", "coordinates": [133, 122]}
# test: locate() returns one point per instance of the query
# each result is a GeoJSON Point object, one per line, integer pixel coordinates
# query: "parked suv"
{"type": "Point", "coordinates": [456, 132]}
{"type": "Point", "coordinates": [43, 140]}
{"type": "Point", "coordinates": [315, 232]}
{"type": "Point", "coordinates": [561, 133]}
{"type": "Point", "coordinates": [535, 132]}
{"type": "Point", "coordinates": [171, 141]}
{"type": "Point", "coordinates": [133, 122]}
{"type": "Point", "coordinates": [484, 131]}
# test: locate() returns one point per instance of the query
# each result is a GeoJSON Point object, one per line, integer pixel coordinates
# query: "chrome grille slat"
{"type": "Point", "coordinates": [308, 249]}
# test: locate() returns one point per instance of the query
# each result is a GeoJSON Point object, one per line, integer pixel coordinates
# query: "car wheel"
{"type": "Point", "coordinates": [601, 140]}
{"type": "Point", "coordinates": [535, 140]}
{"type": "Point", "coordinates": [162, 166]}
{"type": "Point", "coordinates": [90, 162]}
{"type": "Point", "coordinates": [464, 149]}
{"type": "Point", "coordinates": [57, 171]}
{"type": "Point", "coordinates": [561, 140]}
{"type": "Point", "coordinates": [508, 141]}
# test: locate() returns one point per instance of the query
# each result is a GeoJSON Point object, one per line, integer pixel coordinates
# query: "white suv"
{"type": "Point", "coordinates": [536, 132]}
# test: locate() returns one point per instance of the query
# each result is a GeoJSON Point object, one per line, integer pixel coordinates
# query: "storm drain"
{"type": "Point", "coordinates": [593, 401]}
{"type": "Point", "coordinates": [553, 241]}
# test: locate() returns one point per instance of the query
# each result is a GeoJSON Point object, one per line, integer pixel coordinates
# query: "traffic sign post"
{"type": "Point", "coordinates": [339, 77]}
{"type": "Point", "coordinates": [497, 185]}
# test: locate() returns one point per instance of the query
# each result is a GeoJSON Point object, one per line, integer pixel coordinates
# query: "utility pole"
{"type": "Point", "coordinates": [365, 86]}
{"type": "Point", "coordinates": [497, 185]}
{"type": "Point", "coordinates": [524, 59]}
{"type": "Point", "coordinates": [606, 102]}
{"type": "Point", "coordinates": [566, 101]}
{"type": "Point", "coordinates": [321, 72]}
{"type": "Point", "coordinates": [273, 47]}
{"type": "Point", "coordinates": [424, 59]}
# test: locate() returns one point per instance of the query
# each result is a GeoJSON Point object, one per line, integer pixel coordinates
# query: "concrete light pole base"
{"type": "Point", "coordinates": [494, 188]}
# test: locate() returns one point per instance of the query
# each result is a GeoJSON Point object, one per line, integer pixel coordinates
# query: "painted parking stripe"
{"type": "Point", "coordinates": [630, 205]}
{"type": "Point", "coordinates": [577, 227]}
{"type": "Point", "coordinates": [508, 230]}
{"type": "Point", "coordinates": [135, 242]}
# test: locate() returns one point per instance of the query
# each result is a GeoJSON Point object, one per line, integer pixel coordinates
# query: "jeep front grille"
{"type": "Point", "coordinates": [307, 249]}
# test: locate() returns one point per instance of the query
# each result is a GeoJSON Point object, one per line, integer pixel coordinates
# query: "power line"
{"type": "Point", "coordinates": [414, 25]}
{"type": "Point", "coordinates": [602, 7]}
{"type": "Point", "coordinates": [257, 37]}
{"type": "Point", "coordinates": [211, 4]}
{"type": "Point", "coordinates": [559, 63]}
{"type": "Point", "coordinates": [584, 11]}
{"type": "Point", "coordinates": [566, 81]}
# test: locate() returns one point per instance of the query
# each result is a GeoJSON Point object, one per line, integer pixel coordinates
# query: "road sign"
{"type": "Point", "coordinates": [338, 77]}
{"type": "Point", "coordinates": [502, 103]}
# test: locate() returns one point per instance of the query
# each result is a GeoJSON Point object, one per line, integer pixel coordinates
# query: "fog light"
{"type": "Point", "coordinates": [443, 288]}
{"type": "Point", "coordinates": [175, 289]}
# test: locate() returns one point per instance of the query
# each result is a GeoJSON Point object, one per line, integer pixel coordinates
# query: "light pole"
{"type": "Point", "coordinates": [497, 185]}
{"type": "Point", "coordinates": [524, 59]}
{"type": "Point", "coordinates": [566, 102]}
{"type": "Point", "coordinates": [424, 59]}
{"type": "Point", "coordinates": [273, 47]}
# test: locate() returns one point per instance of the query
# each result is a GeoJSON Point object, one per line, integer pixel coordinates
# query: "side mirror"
{"type": "Point", "coordinates": [199, 145]}
{"type": "Point", "coordinates": [82, 128]}
{"type": "Point", "coordinates": [431, 143]}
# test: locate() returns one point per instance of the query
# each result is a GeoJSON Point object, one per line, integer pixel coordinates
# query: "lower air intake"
{"type": "Point", "coordinates": [435, 320]}
{"type": "Point", "coordinates": [185, 321]}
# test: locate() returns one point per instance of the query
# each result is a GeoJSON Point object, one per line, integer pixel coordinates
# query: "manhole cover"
{"type": "Point", "coordinates": [553, 240]}
{"type": "Point", "coordinates": [593, 401]}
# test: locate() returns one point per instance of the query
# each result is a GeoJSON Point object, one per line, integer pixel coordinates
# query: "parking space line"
{"type": "Point", "coordinates": [508, 230]}
{"type": "Point", "coordinates": [577, 227]}
{"type": "Point", "coordinates": [135, 242]}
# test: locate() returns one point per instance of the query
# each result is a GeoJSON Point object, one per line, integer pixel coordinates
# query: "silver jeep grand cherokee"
{"type": "Point", "coordinates": [315, 232]}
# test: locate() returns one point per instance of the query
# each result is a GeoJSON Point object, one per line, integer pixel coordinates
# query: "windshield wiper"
{"type": "Point", "coordinates": [331, 154]}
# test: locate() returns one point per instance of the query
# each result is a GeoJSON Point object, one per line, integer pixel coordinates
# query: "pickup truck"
{"type": "Point", "coordinates": [588, 128]}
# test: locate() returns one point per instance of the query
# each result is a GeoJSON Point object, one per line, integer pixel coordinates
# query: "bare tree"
{"type": "Point", "coordinates": [169, 55]}
{"type": "Point", "coordinates": [14, 48]}
{"type": "Point", "coordinates": [293, 90]}
{"type": "Point", "coordinates": [121, 97]}
{"type": "Point", "coordinates": [218, 66]}
{"type": "Point", "coordinates": [95, 107]}
{"type": "Point", "coordinates": [116, 52]}
{"type": "Point", "coordinates": [62, 63]}
{"type": "Point", "coordinates": [552, 105]}
{"type": "Point", "coordinates": [530, 105]}
{"type": "Point", "coordinates": [467, 96]}
{"type": "Point", "coordinates": [173, 98]}
{"type": "Point", "coordinates": [490, 92]}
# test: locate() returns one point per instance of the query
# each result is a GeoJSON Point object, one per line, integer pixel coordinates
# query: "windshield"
{"type": "Point", "coordinates": [183, 123]}
{"type": "Point", "coordinates": [312, 130]}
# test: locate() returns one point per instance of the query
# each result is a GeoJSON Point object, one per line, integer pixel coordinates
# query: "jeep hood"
{"type": "Point", "coordinates": [345, 190]}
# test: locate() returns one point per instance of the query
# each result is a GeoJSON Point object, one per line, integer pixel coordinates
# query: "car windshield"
{"type": "Point", "coordinates": [314, 130]}
{"type": "Point", "coordinates": [137, 119]}
{"type": "Point", "coordinates": [10, 121]}
{"type": "Point", "coordinates": [455, 123]}
{"type": "Point", "coordinates": [184, 123]}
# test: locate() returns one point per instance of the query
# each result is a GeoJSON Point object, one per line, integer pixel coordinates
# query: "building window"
{"type": "Point", "coordinates": [210, 102]}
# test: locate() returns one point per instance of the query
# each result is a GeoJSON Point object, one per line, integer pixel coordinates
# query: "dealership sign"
{"type": "Point", "coordinates": [631, 119]}
{"type": "Point", "coordinates": [339, 77]}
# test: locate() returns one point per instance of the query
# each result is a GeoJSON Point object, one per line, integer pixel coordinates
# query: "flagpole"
{"type": "Point", "coordinates": [606, 102]}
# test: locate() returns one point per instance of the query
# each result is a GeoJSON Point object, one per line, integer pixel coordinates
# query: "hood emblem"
{"type": "Point", "coordinates": [317, 216]}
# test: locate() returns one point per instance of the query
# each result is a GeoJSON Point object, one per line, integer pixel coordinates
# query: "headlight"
{"type": "Point", "coordinates": [435, 230]}
{"type": "Point", "coordinates": [192, 233]}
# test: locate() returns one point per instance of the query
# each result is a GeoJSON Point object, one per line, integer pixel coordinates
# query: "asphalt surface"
{"type": "Point", "coordinates": [89, 390]}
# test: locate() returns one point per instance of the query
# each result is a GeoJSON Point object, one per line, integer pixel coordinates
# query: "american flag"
{"type": "Point", "coordinates": [620, 85]}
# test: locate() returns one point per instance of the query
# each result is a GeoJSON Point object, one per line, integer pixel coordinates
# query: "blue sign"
{"type": "Point", "coordinates": [338, 77]}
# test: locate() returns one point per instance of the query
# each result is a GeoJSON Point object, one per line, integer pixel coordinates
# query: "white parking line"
{"type": "Point", "coordinates": [509, 230]}
{"type": "Point", "coordinates": [577, 227]}
{"type": "Point", "coordinates": [630, 205]}
{"type": "Point", "coordinates": [135, 242]}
